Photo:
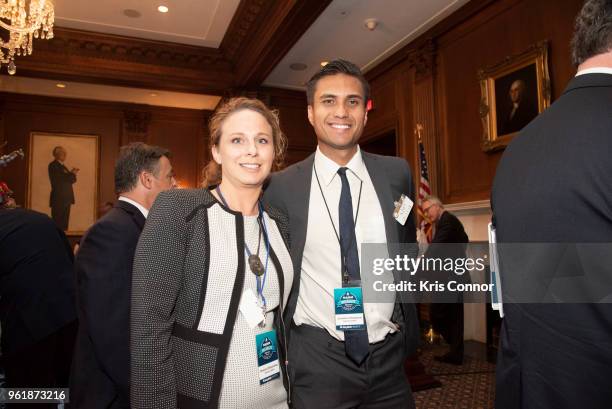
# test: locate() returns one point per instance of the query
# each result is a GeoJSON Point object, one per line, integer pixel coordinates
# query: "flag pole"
{"type": "Point", "coordinates": [424, 189]}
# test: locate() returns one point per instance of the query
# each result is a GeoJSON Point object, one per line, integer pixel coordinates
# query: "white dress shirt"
{"type": "Point", "coordinates": [140, 207]}
{"type": "Point", "coordinates": [321, 269]}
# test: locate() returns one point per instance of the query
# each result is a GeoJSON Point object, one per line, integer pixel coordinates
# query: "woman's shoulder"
{"type": "Point", "coordinates": [281, 219]}
{"type": "Point", "coordinates": [182, 201]}
{"type": "Point", "coordinates": [185, 194]}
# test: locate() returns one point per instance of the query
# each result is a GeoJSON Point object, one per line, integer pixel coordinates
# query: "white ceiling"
{"type": "Point", "coordinates": [195, 22]}
{"type": "Point", "coordinates": [340, 32]}
{"type": "Point", "coordinates": [35, 86]}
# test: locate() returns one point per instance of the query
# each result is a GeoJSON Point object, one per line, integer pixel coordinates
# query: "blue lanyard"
{"type": "Point", "coordinates": [262, 226]}
{"type": "Point", "coordinates": [260, 288]}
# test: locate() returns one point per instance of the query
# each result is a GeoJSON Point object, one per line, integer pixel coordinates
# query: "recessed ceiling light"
{"type": "Point", "coordinates": [298, 66]}
{"type": "Point", "coordinates": [131, 13]}
{"type": "Point", "coordinates": [153, 94]}
{"type": "Point", "coordinates": [162, 9]}
{"type": "Point", "coordinates": [324, 63]}
{"type": "Point", "coordinates": [371, 24]}
{"type": "Point", "coordinates": [60, 85]}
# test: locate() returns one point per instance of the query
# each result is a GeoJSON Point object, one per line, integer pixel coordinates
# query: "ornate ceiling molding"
{"type": "Point", "coordinates": [75, 55]}
{"type": "Point", "coordinates": [259, 36]}
{"type": "Point", "coordinates": [111, 47]}
{"type": "Point", "coordinates": [249, 15]}
{"type": "Point", "coordinates": [278, 29]}
{"type": "Point", "coordinates": [423, 59]}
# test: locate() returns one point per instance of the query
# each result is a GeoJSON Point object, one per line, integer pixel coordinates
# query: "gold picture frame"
{"type": "Point", "coordinates": [514, 92]}
{"type": "Point", "coordinates": [82, 152]}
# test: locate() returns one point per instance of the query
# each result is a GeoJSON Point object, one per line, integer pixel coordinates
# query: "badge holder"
{"type": "Point", "coordinates": [348, 303]}
{"type": "Point", "coordinates": [402, 209]}
{"type": "Point", "coordinates": [267, 357]}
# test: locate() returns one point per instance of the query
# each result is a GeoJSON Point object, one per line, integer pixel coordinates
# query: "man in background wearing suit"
{"type": "Point", "coordinates": [101, 367]}
{"type": "Point", "coordinates": [62, 195]}
{"type": "Point", "coordinates": [447, 318]}
{"type": "Point", "coordinates": [336, 199]}
{"type": "Point", "coordinates": [553, 186]}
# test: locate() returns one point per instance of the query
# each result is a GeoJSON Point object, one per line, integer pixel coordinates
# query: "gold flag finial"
{"type": "Point", "coordinates": [418, 129]}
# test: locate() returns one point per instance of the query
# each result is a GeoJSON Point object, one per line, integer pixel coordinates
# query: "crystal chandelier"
{"type": "Point", "coordinates": [24, 20]}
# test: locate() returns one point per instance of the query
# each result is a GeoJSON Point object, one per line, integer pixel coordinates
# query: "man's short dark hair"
{"type": "Point", "coordinates": [592, 30]}
{"type": "Point", "coordinates": [134, 159]}
{"type": "Point", "coordinates": [333, 68]}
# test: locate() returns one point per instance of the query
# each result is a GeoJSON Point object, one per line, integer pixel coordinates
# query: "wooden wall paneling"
{"type": "Point", "coordinates": [444, 93]}
{"type": "Point", "coordinates": [424, 110]}
{"type": "Point", "coordinates": [424, 115]}
{"type": "Point", "coordinates": [204, 154]}
{"type": "Point", "coordinates": [404, 95]}
{"type": "Point", "coordinates": [26, 114]}
{"type": "Point", "coordinates": [384, 114]}
{"type": "Point", "coordinates": [293, 113]}
{"type": "Point", "coordinates": [442, 135]}
{"type": "Point", "coordinates": [487, 38]}
{"type": "Point", "coordinates": [135, 126]}
{"type": "Point", "coordinates": [472, 8]}
{"type": "Point", "coordinates": [297, 129]}
{"type": "Point", "coordinates": [180, 130]}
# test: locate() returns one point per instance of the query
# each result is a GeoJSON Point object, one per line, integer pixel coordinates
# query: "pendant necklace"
{"type": "Point", "coordinates": [254, 260]}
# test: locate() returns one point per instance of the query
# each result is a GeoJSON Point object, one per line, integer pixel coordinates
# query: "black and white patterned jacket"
{"type": "Point", "coordinates": [174, 363]}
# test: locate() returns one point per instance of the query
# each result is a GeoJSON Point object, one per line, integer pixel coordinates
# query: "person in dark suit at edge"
{"type": "Point", "coordinates": [101, 366]}
{"type": "Point", "coordinates": [62, 194]}
{"type": "Point", "coordinates": [447, 318]}
{"type": "Point", "coordinates": [553, 186]}
{"type": "Point", "coordinates": [37, 300]}
{"type": "Point", "coordinates": [338, 198]}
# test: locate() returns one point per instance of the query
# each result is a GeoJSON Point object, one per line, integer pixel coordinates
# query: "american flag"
{"type": "Point", "coordinates": [424, 191]}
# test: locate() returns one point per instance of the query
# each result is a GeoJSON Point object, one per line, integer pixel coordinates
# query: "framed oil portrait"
{"type": "Point", "coordinates": [63, 179]}
{"type": "Point", "coordinates": [514, 92]}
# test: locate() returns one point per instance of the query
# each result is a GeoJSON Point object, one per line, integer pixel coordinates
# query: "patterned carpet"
{"type": "Point", "coordinates": [469, 386]}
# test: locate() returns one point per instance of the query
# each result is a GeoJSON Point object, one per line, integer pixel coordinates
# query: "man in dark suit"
{"type": "Point", "coordinates": [62, 195]}
{"type": "Point", "coordinates": [37, 301]}
{"type": "Point", "coordinates": [553, 186]}
{"type": "Point", "coordinates": [336, 199]}
{"type": "Point", "coordinates": [447, 317]}
{"type": "Point", "coordinates": [101, 367]}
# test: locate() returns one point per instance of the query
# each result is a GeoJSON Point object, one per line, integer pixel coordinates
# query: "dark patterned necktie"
{"type": "Point", "coordinates": [355, 341]}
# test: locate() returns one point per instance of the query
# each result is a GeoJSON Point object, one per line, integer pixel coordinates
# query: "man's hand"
{"type": "Point", "coordinates": [75, 170]}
